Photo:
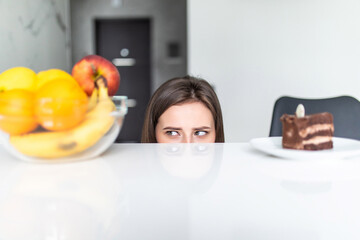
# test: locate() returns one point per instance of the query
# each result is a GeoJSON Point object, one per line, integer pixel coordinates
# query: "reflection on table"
{"type": "Point", "coordinates": [180, 191]}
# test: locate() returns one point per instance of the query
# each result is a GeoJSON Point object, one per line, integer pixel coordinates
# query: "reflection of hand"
{"type": "Point", "coordinates": [189, 161]}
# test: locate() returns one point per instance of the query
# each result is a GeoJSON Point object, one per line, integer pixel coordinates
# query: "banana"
{"type": "Point", "coordinates": [50, 145]}
{"type": "Point", "coordinates": [93, 99]}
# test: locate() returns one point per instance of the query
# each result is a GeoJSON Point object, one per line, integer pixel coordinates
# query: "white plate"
{"type": "Point", "coordinates": [101, 146]}
{"type": "Point", "coordinates": [343, 148]}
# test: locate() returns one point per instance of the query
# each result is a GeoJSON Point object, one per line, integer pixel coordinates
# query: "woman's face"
{"type": "Point", "coordinates": [186, 123]}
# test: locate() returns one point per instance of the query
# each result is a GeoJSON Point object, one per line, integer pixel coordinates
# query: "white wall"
{"type": "Point", "coordinates": [255, 51]}
{"type": "Point", "coordinates": [34, 34]}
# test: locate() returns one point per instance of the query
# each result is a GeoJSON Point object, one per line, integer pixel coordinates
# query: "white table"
{"type": "Point", "coordinates": [187, 191]}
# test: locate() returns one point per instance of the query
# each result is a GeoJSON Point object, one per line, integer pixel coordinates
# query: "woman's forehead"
{"type": "Point", "coordinates": [194, 113]}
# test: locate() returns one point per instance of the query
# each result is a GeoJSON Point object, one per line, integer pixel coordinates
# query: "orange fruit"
{"type": "Point", "coordinates": [50, 75]}
{"type": "Point", "coordinates": [60, 104]}
{"type": "Point", "coordinates": [17, 111]}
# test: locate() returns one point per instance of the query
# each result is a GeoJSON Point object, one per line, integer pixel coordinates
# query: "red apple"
{"type": "Point", "coordinates": [92, 67]}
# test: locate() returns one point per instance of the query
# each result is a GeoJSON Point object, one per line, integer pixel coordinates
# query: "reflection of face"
{"type": "Point", "coordinates": [187, 161]}
{"type": "Point", "coordinates": [186, 123]}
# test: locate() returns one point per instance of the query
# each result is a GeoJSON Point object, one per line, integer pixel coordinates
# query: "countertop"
{"type": "Point", "coordinates": [180, 191]}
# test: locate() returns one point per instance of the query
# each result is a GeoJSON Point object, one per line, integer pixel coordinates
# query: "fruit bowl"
{"type": "Point", "coordinates": [88, 139]}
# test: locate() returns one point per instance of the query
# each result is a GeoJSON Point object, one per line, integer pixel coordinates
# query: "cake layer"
{"type": "Point", "coordinates": [300, 146]}
{"type": "Point", "coordinates": [317, 140]}
{"type": "Point", "coordinates": [309, 120]}
{"type": "Point", "coordinates": [316, 129]}
{"type": "Point", "coordinates": [328, 132]}
{"type": "Point", "coordinates": [321, 146]}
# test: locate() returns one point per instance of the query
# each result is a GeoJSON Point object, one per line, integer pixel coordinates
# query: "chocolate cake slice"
{"type": "Point", "coordinates": [311, 132]}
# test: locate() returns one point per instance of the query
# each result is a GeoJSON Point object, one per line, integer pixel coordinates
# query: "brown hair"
{"type": "Point", "coordinates": [176, 91]}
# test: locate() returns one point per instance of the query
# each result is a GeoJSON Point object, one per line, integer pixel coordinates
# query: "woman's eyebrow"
{"type": "Point", "coordinates": [202, 128]}
{"type": "Point", "coordinates": [171, 128]}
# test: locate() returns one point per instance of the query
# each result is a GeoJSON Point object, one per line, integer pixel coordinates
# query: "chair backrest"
{"type": "Point", "coordinates": [345, 109]}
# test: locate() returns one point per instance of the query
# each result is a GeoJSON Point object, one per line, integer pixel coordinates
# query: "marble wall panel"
{"type": "Point", "coordinates": [34, 34]}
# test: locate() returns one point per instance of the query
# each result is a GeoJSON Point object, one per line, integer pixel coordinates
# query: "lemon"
{"type": "Point", "coordinates": [18, 78]}
{"type": "Point", "coordinates": [50, 75]}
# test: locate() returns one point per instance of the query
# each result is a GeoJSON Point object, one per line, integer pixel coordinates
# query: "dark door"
{"type": "Point", "coordinates": [126, 42]}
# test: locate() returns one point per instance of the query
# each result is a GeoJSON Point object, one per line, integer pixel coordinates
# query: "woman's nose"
{"type": "Point", "coordinates": [187, 139]}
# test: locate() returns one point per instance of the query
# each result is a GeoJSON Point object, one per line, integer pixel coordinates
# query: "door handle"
{"type": "Point", "coordinates": [124, 62]}
{"type": "Point", "coordinates": [131, 103]}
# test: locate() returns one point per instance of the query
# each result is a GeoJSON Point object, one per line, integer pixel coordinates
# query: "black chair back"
{"type": "Point", "coordinates": [345, 109]}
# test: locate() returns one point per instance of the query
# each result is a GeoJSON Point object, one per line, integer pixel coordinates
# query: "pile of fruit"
{"type": "Point", "coordinates": [52, 114]}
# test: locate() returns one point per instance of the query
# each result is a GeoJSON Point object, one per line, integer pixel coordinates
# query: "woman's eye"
{"type": "Point", "coordinates": [172, 133]}
{"type": "Point", "coordinates": [201, 133]}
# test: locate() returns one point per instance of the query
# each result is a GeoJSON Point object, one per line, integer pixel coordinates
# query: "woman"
{"type": "Point", "coordinates": [183, 110]}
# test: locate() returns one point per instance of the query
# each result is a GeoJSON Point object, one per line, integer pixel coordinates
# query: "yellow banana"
{"type": "Point", "coordinates": [93, 99]}
{"type": "Point", "coordinates": [65, 143]}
